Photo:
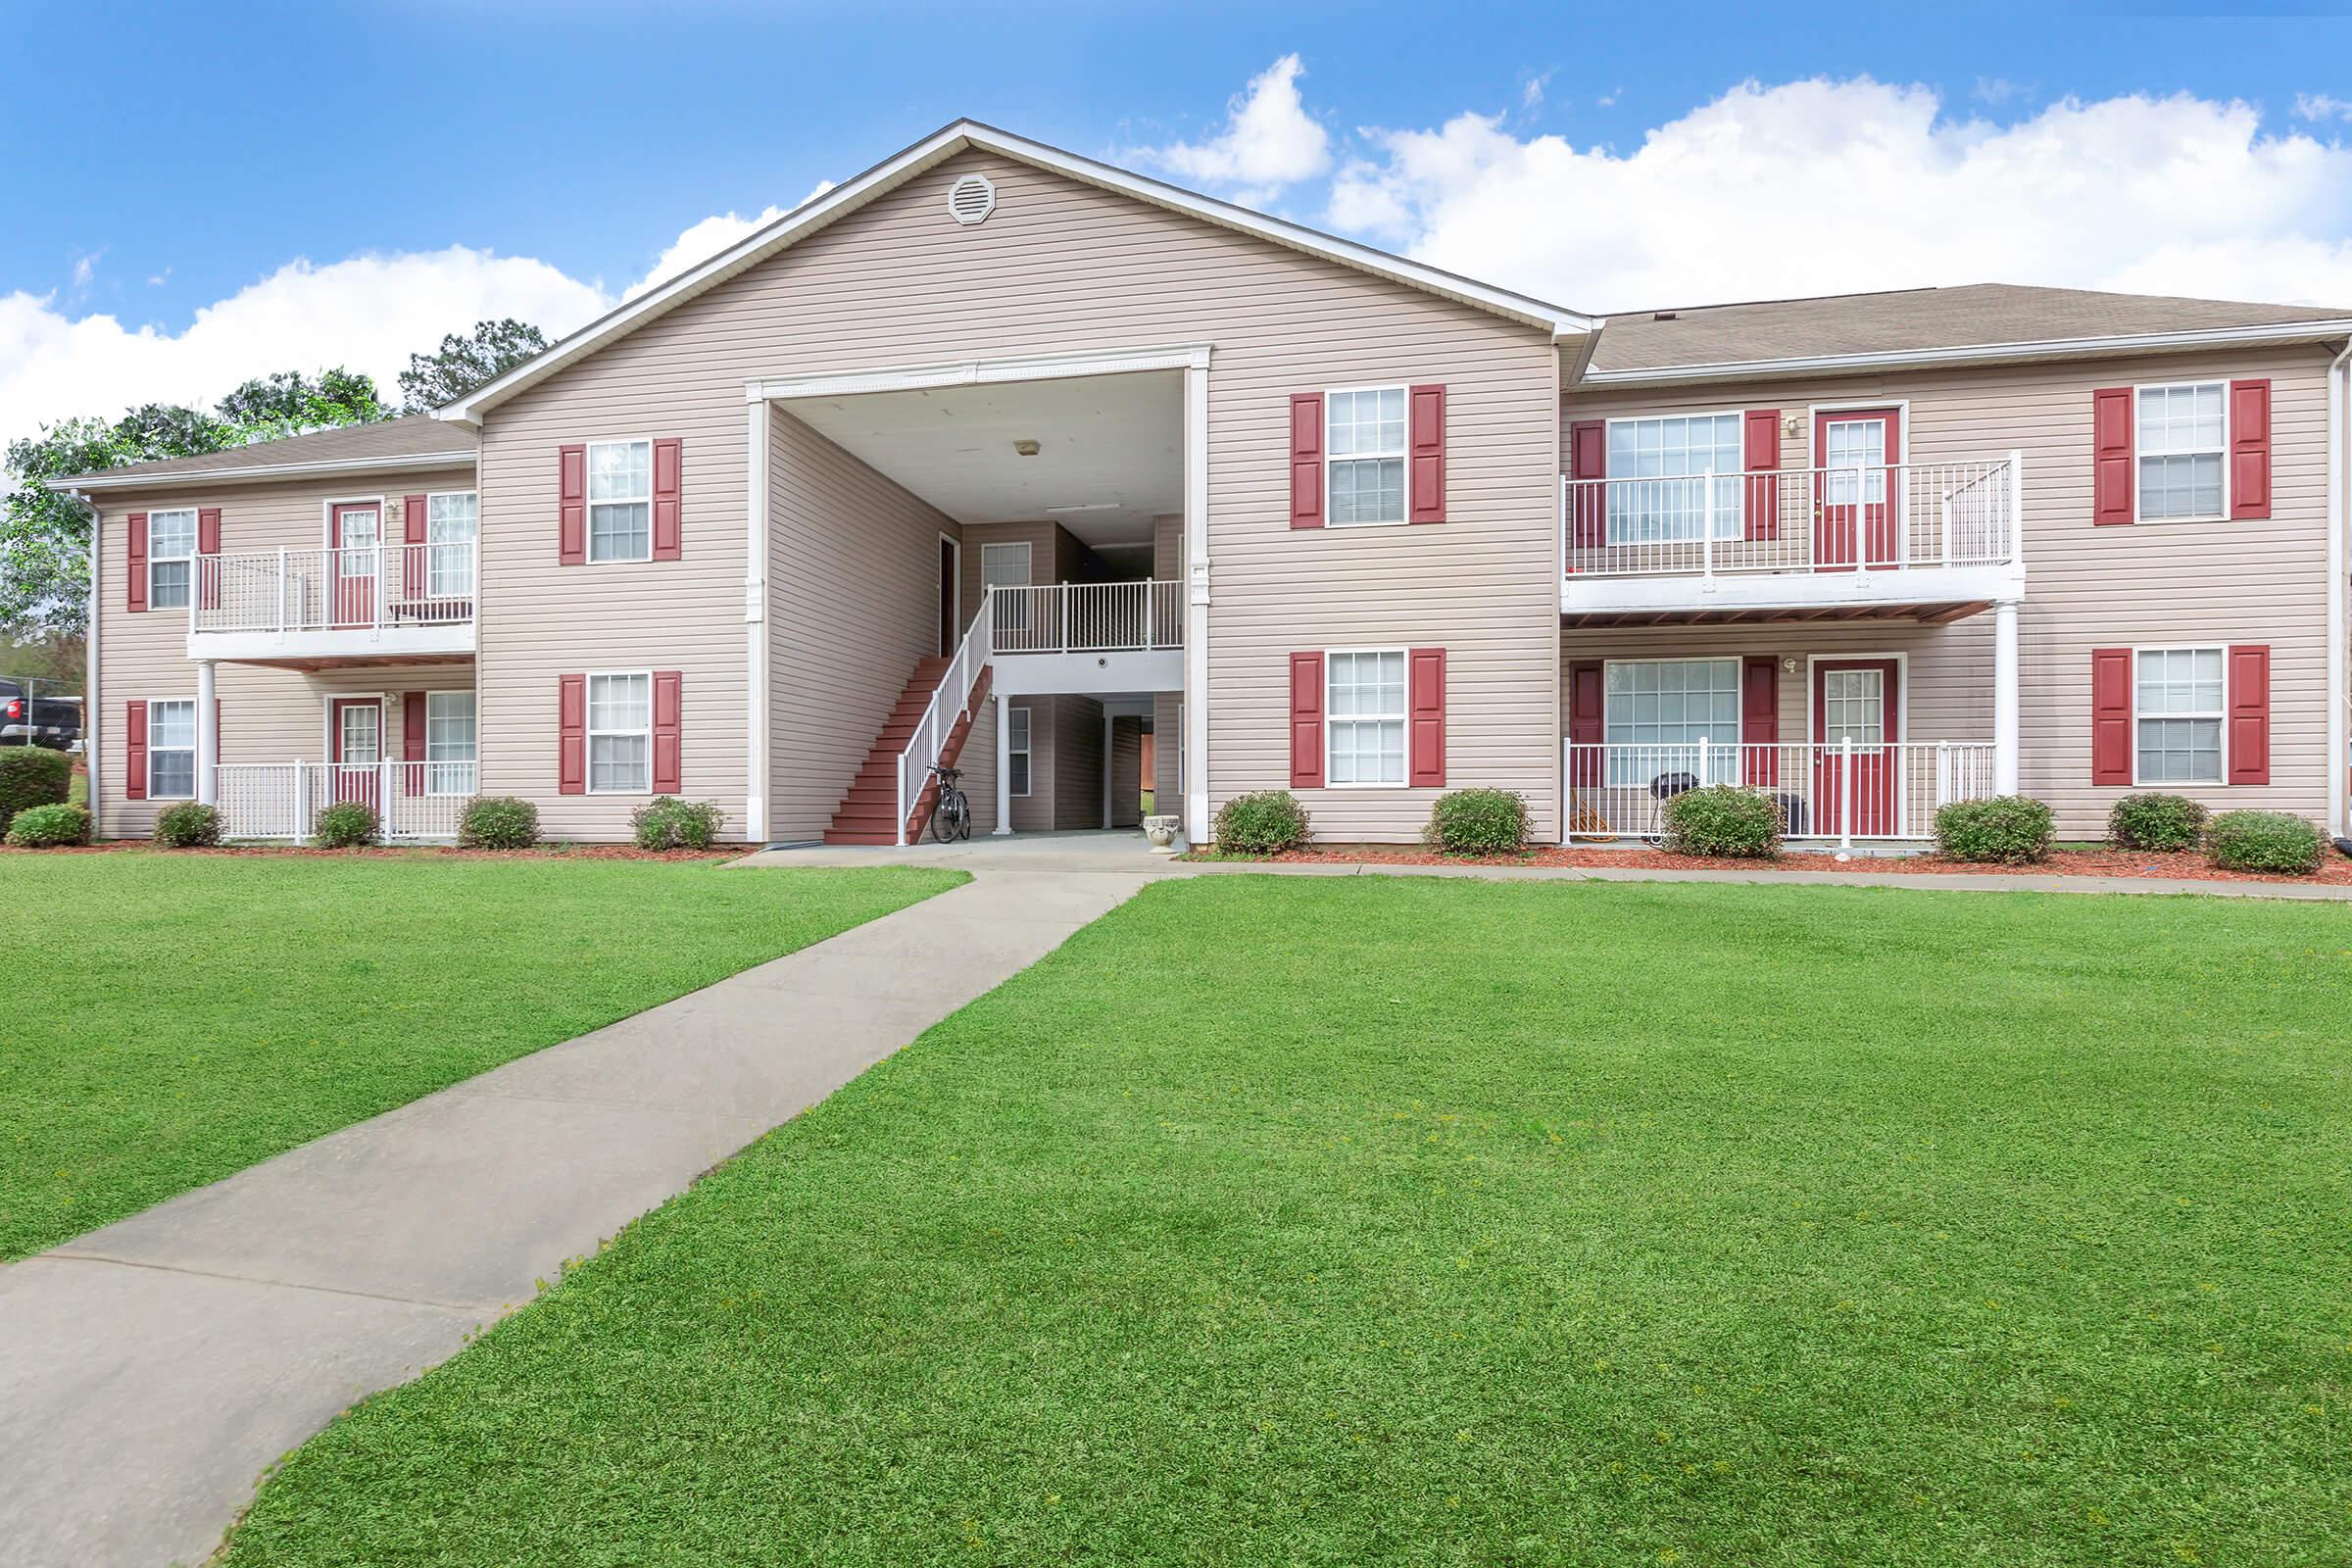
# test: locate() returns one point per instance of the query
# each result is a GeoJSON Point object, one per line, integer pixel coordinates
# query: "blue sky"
{"type": "Point", "coordinates": [172, 162]}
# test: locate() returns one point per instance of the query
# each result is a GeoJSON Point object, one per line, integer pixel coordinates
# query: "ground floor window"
{"type": "Point", "coordinates": [620, 734]}
{"type": "Point", "coordinates": [449, 743]}
{"type": "Point", "coordinates": [172, 750]}
{"type": "Point", "coordinates": [1016, 749]}
{"type": "Point", "coordinates": [1660, 708]}
{"type": "Point", "coordinates": [2178, 705]}
{"type": "Point", "coordinates": [1366, 717]}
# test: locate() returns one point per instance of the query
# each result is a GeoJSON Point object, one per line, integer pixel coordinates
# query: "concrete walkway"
{"type": "Point", "coordinates": [150, 1370]}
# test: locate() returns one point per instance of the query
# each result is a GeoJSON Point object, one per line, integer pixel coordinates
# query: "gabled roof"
{"type": "Point", "coordinates": [1977, 321]}
{"type": "Point", "coordinates": [418, 441]}
{"type": "Point", "coordinates": [935, 148]}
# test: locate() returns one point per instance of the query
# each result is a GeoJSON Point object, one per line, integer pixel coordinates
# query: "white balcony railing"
{"type": "Point", "coordinates": [335, 590]}
{"type": "Point", "coordinates": [1086, 617]}
{"type": "Point", "coordinates": [1840, 793]}
{"type": "Point", "coordinates": [415, 802]}
{"type": "Point", "coordinates": [1892, 518]}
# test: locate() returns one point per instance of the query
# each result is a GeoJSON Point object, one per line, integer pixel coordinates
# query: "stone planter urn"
{"type": "Point", "coordinates": [1161, 831]}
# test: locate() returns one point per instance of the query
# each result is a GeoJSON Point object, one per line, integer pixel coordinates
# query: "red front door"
{"type": "Point", "coordinates": [1857, 700]}
{"type": "Point", "coordinates": [356, 744]}
{"type": "Point", "coordinates": [354, 535]}
{"type": "Point", "coordinates": [1857, 504]}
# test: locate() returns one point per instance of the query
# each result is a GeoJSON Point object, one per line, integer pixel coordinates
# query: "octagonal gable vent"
{"type": "Point", "coordinates": [971, 199]}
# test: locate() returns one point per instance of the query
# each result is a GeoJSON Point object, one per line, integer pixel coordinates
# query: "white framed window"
{"type": "Point", "coordinates": [621, 733]}
{"type": "Point", "coordinates": [172, 749]}
{"type": "Point", "coordinates": [1663, 707]}
{"type": "Point", "coordinates": [621, 501]}
{"type": "Point", "coordinates": [1364, 456]}
{"type": "Point", "coordinates": [1364, 718]}
{"type": "Point", "coordinates": [170, 557]}
{"type": "Point", "coordinates": [2178, 703]}
{"type": "Point", "coordinates": [1016, 749]}
{"type": "Point", "coordinates": [2182, 435]}
{"type": "Point", "coordinates": [1006, 565]}
{"type": "Point", "coordinates": [451, 526]}
{"type": "Point", "coordinates": [449, 743]}
{"type": "Point", "coordinates": [1673, 478]}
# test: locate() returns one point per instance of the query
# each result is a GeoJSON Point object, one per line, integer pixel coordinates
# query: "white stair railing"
{"type": "Point", "coordinates": [949, 701]}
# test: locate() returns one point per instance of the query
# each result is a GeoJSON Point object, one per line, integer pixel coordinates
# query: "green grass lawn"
{"type": "Point", "coordinates": [1379, 1221]}
{"type": "Point", "coordinates": [173, 1018]}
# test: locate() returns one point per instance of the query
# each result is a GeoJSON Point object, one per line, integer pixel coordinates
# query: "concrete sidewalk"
{"type": "Point", "coordinates": [150, 1370]}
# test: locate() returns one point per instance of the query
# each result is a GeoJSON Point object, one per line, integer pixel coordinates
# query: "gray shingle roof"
{"type": "Point", "coordinates": [394, 441]}
{"type": "Point", "coordinates": [1970, 315]}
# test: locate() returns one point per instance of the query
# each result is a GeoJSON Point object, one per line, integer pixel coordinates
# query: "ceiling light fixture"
{"type": "Point", "coordinates": [1025, 447]}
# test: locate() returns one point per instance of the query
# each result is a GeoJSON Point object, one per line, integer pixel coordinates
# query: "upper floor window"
{"type": "Point", "coordinates": [620, 734]}
{"type": "Point", "coordinates": [1006, 565]}
{"type": "Point", "coordinates": [621, 501]}
{"type": "Point", "coordinates": [450, 528]}
{"type": "Point", "coordinates": [1365, 717]}
{"type": "Point", "coordinates": [2178, 707]}
{"type": "Point", "coordinates": [1663, 484]}
{"type": "Point", "coordinates": [2182, 439]}
{"type": "Point", "coordinates": [171, 546]}
{"type": "Point", "coordinates": [1363, 443]}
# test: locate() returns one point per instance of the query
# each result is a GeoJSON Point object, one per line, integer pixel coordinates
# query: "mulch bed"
{"type": "Point", "coordinates": [568, 851]}
{"type": "Point", "coordinates": [2184, 865]}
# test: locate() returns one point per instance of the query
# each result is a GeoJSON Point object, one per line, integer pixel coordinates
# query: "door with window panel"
{"type": "Point", "coordinates": [356, 738]}
{"type": "Point", "coordinates": [1858, 508]}
{"type": "Point", "coordinates": [1856, 701]}
{"type": "Point", "coordinates": [355, 535]}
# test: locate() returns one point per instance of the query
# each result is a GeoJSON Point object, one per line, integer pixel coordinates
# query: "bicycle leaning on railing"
{"type": "Point", "coordinates": [951, 816]}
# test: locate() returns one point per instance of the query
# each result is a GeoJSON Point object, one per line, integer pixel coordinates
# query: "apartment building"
{"type": "Point", "coordinates": [1005, 457]}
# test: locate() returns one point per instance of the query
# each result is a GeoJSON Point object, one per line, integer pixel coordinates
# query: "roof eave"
{"type": "Point", "coordinates": [1976, 354]}
{"type": "Point", "coordinates": [115, 479]}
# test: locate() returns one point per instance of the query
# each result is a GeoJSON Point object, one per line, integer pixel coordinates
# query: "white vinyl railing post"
{"type": "Point", "coordinates": [1845, 794]}
{"type": "Point", "coordinates": [281, 591]}
{"type": "Point", "coordinates": [1702, 761]}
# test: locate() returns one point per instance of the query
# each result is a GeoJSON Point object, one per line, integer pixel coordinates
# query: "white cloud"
{"type": "Point", "coordinates": [2319, 105]}
{"type": "Point", "coordinates": [1269, 140]}
{"type": "Point", "coordinates": [85, 267]}
{"type": "Point", "coordinates": [703, 240]}
{"type": "Point", "coordinates": [1815, 187]}
{"type": "Point", "coordinates": [1531, 93]}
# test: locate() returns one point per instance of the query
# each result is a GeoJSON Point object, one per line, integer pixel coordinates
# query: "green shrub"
{"type": "Point", "coordinates": [1478, 822]}
{"type": "Point", "coordinates": [1723, 820]}
{"type": "Point", "coordinates": [46, 827]}
{"type": "Point", "coordinates": [2265, 840]}
{"type": "Point", "coordinates": [32, 775]}
{"type": "Point", "coordinates": [2005, 830]}
{"type": "Point", "coordinates": [1266, 823]}
{"type": "Point", "coordinates": [497, 823]}
{"type": "Point", "coordinates": [670, 823]}
{"type": "Point", "coordinates": [187, 827]}
{"type": "Point", "coordinates": [2156, 823]}
{"type": "Point", "coordinates": [346, 826]}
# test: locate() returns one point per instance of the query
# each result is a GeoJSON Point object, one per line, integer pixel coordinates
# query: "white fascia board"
{"type": "Point", "coordinates": [933, 150]}
{"type": "Point", "coordinates": [977, 372]}
{"type": "Point", "coordinates": [263, 470]}
{"type": "Point", "coordinates": [1976, 353]}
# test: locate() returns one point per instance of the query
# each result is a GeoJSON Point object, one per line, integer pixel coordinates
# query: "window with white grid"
{"type": "Point", "coordinates": [1364, 455]}
{"type": "Point", "coordinates": [1016, 750]}
{"type": "Point", "coordinates": [449, 532]}
{"type": "Point", "coordinates": [2178, 707]}
{"type": "Point", "coordinates": [449, 743]}
{"type": "Point", "coordinates": [621, 501]}
{"type": "Point", "coordinates": [1663, 483]}
{"type": "Point", "coordinates": [172, 750]}
{"type": "Point", "coordinates": [1656, 711]}
{"type": "Point", "coordinates": [1364, 716]}
{"type": "Point", "coordinates": [2182, 434]}
{"type": "Point", "coordinates": [170, 549]}
{"type": "Point", "coordinates": [620, 734]}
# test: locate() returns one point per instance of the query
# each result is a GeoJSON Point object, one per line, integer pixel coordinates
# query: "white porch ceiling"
{"type": "Point", "coordinates": [1113, 444]}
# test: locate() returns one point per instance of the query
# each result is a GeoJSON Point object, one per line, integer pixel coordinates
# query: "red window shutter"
{"type": "Point", "coordinates": [1306, 722]}
{"type": "Point", "coordinates": [2250, 714]}
{"type": "Point", "coordinates": [668, 705]}
{"type": "Point", "coordinates": [208, 543]}
{"type": "Point", "coordinates": [1427, 461]}
{"type": "Point", "coordinates": [411, 742]}
{"type": "Point", "coordinates": [1760, 453]}
{"type": "Point", "coordinates": [1307, 459]}
{"type": "Point", "coordinates": [134, 749]}
{"type": "Point", "coordinates": [1425, 713]}
{"type": "Point", "coordinates": [2250, 448]}
{"type": "Point", "coordinates": [1589, 459]}
{"type": "Point", "coordinates": [667, 463]}
{"type": "Point", "coordinates": [572, 734]}
{"type": "Point", "coordinates": [1760, 722]}
{"type": "Point", "coordinates": [571, 505]}
{"type": "Point", "coordinates": [2111, 457]}
{"type": "Point", "coordinates": [413, 510]}
{"type": "Point", "coordinates": [1584, 714]}
{"type": "Point", "coordinates": [134, 563]}
{"type": "Point", "coordinates": [2111, 716]}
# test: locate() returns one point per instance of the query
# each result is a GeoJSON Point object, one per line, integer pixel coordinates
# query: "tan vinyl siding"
{"type": "Point", "coordinates": [1058, 267]}
{"type": "Point", "coordinates": [1126, 772]}
{"type": "Point", "coordinates": [2175, 584]}
{"type": "Point", "coordinates": [1032, 813]}
{"type": "Point", "coordinates": [854, 561]}
{"type": "Point", "coordinates": [268, 714]}
{"type": "Point", "coordinates": [1077, 763]}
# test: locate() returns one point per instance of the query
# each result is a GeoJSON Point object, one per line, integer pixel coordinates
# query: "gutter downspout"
{"type": "Point", "coordinates": [2339, 693]}
{"type": "Point", "coordinates": [91, 705]}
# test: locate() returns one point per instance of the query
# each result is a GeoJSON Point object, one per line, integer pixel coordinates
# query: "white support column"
{"type": "Point", "coordinates": [208, 736]}
{"type": "Point", "coordinates": [1109, 731]}
{"type": "Point", "coordinates": [2004, 697]}
{"type": "Point", "coordinates": [755, 628]}
{"type": "Point", "coordinates": [1003, 766]}
{"type": "Point", "coordinates": [1195, 615]}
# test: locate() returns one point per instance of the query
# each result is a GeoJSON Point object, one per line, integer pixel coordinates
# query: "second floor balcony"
{"type": "Point", "coordinates": [387, 601]}
{"type": "Point", "coordinates": [1925, 538]}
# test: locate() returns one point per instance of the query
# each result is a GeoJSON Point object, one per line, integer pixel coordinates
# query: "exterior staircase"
{"type": "Point", "coordinates": [866, 812]}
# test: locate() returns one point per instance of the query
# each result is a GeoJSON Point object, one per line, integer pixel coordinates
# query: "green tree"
{"type": "Point", "coordinates": [461, 364]}
{"type": "Point", "coordinates": [290, 403]}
